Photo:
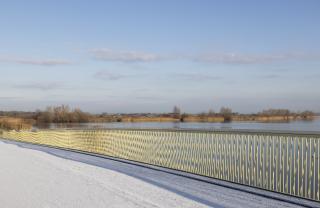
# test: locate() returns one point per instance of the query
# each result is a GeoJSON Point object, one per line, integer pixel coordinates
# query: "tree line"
{"type": "Point", "coordinates": [62, 114]}
{"type": "Point", "coordinates": [227, 113]}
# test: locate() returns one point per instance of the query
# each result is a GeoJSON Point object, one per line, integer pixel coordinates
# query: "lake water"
{"type": "Point", "coordinates": [308, 126]}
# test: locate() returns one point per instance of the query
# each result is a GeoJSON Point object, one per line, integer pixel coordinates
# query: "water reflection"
{"type": "Point", "coordinates": [289, 126]}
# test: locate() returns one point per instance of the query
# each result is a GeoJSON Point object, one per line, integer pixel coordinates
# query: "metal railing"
{"type": "Point", "coordinates": [282, 162]}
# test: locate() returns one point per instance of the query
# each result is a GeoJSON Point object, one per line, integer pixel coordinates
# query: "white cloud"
{"type": "Point", "coordinates": [9, 98]}
{"type": "Point", "coordinates": [32, 61]}
{"type": "Point", "coordinates": [40, 86]}
{"type": "Point", "coordinates": [233, 58]}
{"type": "Point", "coordinates": [218, 57]}
{"type": "Point", "coordinates": [123, 56]}
{"type": "Point", "coordinates": [106, 75]}
{"type": "Point", "coordinates": [197, 76]}
{"type": "Point", "coordinates": [269, 76]}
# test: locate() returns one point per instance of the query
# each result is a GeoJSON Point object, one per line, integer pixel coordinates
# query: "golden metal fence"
{"type": "Point", "coordinates": [285, 163]}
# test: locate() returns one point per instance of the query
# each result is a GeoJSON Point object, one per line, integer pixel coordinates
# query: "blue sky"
{"type": "Point", "coordinates": [147, 56]}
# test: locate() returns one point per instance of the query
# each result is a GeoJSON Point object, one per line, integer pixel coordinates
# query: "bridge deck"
{"type": "Point", "coordinates": [30, 177]}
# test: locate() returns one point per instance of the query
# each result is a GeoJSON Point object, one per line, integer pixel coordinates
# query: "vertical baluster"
{"type": "Point", "coordinates": [214, 141]}
{"type": "Point", "coordinates": [245, 162]}
{"type": "Point", "coordinates": [318, 172]}
{"type": "Point", "coordinates": [312, 170]}
{"type": "Point", "coordinates": [242, 161]}
{"type": "Point", "coordinates": [261, 162]}
{"type": "Point", "coordinates": [234, 157]}
{"type": "Point", "coordinates": [238, 155]}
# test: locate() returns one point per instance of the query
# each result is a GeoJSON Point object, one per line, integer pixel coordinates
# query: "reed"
{"type": "Point", "coordinates": [10, 123]}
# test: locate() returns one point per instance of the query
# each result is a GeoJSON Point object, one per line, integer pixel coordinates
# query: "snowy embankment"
{"type": "Point", "coordinates": [33, 176]}
{"type": "Point", "coordinates": [30, 178]}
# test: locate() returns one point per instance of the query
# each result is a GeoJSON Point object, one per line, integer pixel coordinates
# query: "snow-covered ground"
{"type": "Point", "coordinates": [31, 178]}
{"type": "Point", "coordinates": [58, 178]}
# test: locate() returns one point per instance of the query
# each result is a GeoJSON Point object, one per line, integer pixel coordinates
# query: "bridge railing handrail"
{"type": "Point", "coordinates": [285, 162]}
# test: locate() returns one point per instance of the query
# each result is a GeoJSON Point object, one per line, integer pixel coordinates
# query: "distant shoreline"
{"type": "Point", "coordinates": [64, 115]}
{"type": "Point", "coordinates": [209, 119]}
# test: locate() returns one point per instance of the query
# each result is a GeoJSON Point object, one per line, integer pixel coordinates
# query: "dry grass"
{"type": "Point", "coordinates": [10, 123]}
{"type": "Point", "coordinates": [274, 118]}
{"type": "Point", "coordinates": [203, 119]}
{"type": "Point", "coordinates": [149, 119]}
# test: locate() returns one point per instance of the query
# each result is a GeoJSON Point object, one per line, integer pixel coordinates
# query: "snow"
{"type": "Point", "coordinates": [34, 176]}
{"type": "Point", "coordinates": [30, 178]}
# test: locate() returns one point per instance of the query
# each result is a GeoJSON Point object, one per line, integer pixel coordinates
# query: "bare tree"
{"type": "Point", "coordinates": [307, 114]}
{"type": "Point", "coordinates": [176, 112]}
{"type": "Point", "coordinates": [211, 112]}
{"type": "Point", "coordinates": [226, 113]}
{"type": "Point", "coordinates": [275, 112]}
{"type": "Point", "coordinates": [62, 114]}
{"type": "Point", "coordinates": [46, 116]}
